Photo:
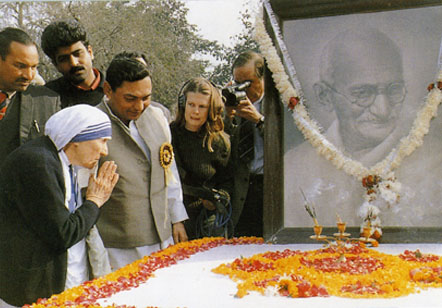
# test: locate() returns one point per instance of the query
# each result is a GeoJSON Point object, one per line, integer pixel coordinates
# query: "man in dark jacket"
{"type": "Point", "coordinates": [66, 44]}
{"type": "Point", "coordinates": [245, 123]}
{"type": "Point", "coordinates": [24, 108]}
{"type": "Point", "coordinates": [43, 220]}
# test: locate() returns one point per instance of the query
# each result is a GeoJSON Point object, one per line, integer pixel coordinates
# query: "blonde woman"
{"type": "Point", "coordinates": [202, 151]}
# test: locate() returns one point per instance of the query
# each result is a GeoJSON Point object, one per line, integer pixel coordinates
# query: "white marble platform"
{"type": "Point", "coordinates": [192, 284]}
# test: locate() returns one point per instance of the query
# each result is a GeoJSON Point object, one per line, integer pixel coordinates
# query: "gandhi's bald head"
{"type": "Point", "coordinates": [366, 53]}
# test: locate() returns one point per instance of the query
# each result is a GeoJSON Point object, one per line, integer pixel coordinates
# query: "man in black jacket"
{"type": "Point", "coordinates": [43, 220]}
{"type": "Point", "coordinates": [24, 108]}
{"type": "Point", "coordinates": [66, 44]}
{"type": "Point", "coordinates": [248, 145]}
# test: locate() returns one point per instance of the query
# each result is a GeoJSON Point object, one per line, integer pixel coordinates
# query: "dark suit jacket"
{"type": "Point", "coordinates": [36, 228]}
{"type": "Point", "coordinates": [26, 117]}
{"type": "Point", "coordinates": [241, 167]}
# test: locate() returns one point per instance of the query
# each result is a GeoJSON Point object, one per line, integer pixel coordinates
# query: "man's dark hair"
{"type": "Point", "coordinates": [246, 57]}
{"type": "Point", "coordinates": [125, 69]}
{"type": "Point", "coordinates": [62, 34]}
{"type": "Point", "coordinates": [137, 55]}
{"type": "Point", "coordinates": [131, 55]}
{"type": "Point", "coordinates": [9, 35]}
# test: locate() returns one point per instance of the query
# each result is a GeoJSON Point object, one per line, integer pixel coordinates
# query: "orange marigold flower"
{"type": "Point", "coordinates": [376, 235]}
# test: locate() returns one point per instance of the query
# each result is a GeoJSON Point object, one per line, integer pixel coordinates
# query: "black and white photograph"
{"type": "Point", "coordinates": [364, 77]}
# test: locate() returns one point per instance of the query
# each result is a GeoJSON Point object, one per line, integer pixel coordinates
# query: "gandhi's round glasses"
{"type": "Point", "coordinates": [365, 95]}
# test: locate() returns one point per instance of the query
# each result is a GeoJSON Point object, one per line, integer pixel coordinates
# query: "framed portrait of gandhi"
{"type": "Point", "coordinates": [355, 134]}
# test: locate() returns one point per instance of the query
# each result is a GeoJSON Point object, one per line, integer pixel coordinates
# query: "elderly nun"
{"type": "Point", "coordinates": [48, 241]}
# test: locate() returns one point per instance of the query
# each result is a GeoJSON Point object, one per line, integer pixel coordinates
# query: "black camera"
{"type": "Point", "coordinates": [235, 93]}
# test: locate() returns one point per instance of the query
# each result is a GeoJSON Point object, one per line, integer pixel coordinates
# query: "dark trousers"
{"type": "Point", "coordinates": [251, 219]}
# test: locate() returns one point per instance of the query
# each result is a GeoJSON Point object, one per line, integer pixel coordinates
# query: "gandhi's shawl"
{"type": "Point", "coordinates": [77, 123]}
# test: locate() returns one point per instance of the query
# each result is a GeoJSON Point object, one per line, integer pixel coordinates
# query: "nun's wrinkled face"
{"type": "Point", "coordinates": [88, 153]}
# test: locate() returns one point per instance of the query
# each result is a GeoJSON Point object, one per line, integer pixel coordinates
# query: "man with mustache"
{"type": "Point", "coordinates": [364, 87]}
{"type": "Point", "coordinates": [66, 44]}
{"type": "Point", "coordinates": [146, 211]}
{"type": "Point", "coordinates": [24, 108]}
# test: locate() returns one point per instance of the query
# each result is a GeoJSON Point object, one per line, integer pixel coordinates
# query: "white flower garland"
{"type": "Point", "coordinates": [387, 186]}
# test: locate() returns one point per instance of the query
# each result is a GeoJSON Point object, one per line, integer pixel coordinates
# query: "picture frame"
{"type": "Point", "coordinates": [311, 24]}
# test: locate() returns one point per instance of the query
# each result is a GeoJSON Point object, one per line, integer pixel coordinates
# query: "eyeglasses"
{"type": "Point", "coordinates": [365, 95]}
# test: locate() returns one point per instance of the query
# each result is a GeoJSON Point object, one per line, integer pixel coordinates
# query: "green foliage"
{"type": "Point", "coordinates": [242, 42]}
{"type": "Point", "coordinates": [158, 28]}
{"type": "Point", "coordinates": [155, 27]}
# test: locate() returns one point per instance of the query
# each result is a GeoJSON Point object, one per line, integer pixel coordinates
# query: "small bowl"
{"type": "Point", "coordinates": [341, 227]}
{"type": "Point", "coordinates": [366, 231]}
{"type": "Point", "coordinates": [317, 229]}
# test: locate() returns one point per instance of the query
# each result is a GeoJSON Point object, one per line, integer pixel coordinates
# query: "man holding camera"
{"type": "Point", "coordinates": [245, 123]}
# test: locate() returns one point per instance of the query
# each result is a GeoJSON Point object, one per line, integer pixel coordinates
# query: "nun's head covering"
{"type": "Point", "coordinates": [77, 123]}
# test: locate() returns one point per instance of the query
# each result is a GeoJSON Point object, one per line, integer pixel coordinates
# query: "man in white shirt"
{"type": "Point", "coordinates": [364, 86]}
{"type": "Point", "coordinates": [145, 212]}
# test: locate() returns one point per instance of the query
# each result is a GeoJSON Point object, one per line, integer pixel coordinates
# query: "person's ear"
{"type": "Point", "coordinates": [324, 95]}
{"type": "Point", "coordinates": [90, 51]}
{"type": "Point", "coordinates": [107, 89]}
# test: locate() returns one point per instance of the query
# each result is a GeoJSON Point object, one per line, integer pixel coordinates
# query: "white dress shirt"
{"type": "Point", "coordinates": [120, 257]}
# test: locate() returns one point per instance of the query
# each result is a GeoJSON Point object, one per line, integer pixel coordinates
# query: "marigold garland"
{"type": "Point", "coordinates": [353, 271]}
{"type": "Point", "coordinates": [134, 274]}
{"type": "Point", "coordinates": [388, 188]}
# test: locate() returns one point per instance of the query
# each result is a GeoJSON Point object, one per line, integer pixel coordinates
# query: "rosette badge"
{"type": "Point", "coordinates": [166, 159]}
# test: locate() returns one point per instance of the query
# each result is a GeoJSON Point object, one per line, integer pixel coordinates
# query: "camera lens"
{"type": "Point", "coordinates": [229, 96]}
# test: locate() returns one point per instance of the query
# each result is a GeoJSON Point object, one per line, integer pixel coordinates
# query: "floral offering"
{"type": "Point", "coordinates": [351, 271]}
{"type": "Point", "coordinates": [134, 274]}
